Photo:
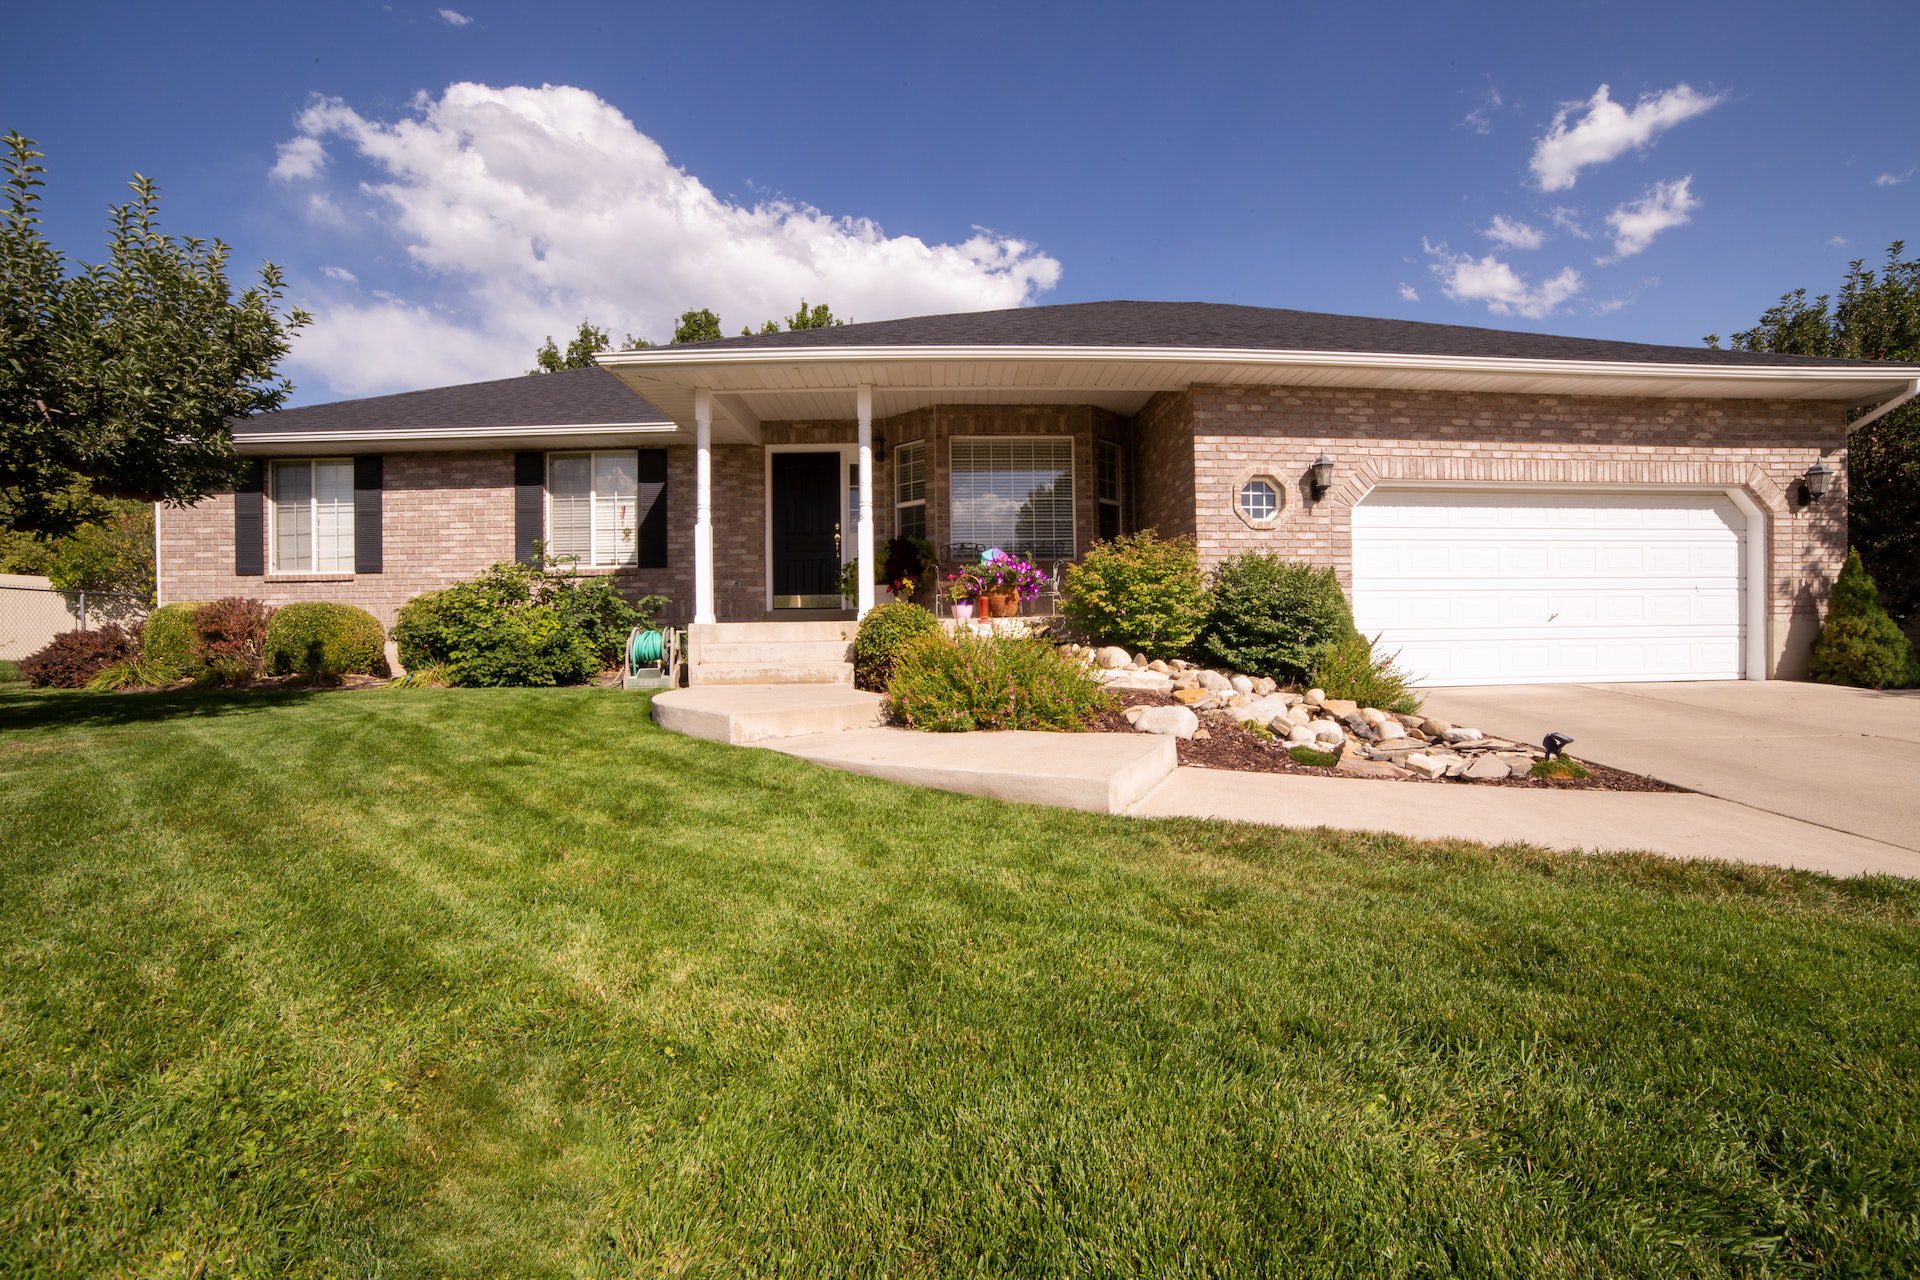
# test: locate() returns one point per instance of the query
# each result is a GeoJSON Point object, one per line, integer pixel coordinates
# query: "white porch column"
{"type": "Point", "coordinates": [864, 529]}
{"type": "Point", "coordinates": [703, 505]}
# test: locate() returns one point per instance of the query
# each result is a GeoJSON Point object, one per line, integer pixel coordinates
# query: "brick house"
{"type": "Point", "coordinates": [1501, 506]}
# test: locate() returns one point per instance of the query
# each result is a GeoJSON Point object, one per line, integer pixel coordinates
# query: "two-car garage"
{"type": "Point", "coordinates": [1523, 586]}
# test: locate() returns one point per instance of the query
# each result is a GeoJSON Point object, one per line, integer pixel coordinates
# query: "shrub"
{"type": "Point", "coordinates": [1314, 757]}
{"type": "Point", "coordinates": [1861, 644]}
{"type": "Point", "coordinates": [133, 673]}
{"type": "Point", "coordinates": [1269, 617]}
{"type": "Point", "coordinates": [1350, 669]}
{"type": "Point", "coordinates": [1560, 767]}
{"type": "Point", "coordinates": [883, 633]}
{"type": "Point", "coordinates": [325, 641]}
{"type": "Point", "coordinates": [1140, 592]}
{"type": "Point", "coordinates": [516, 625]}
{"type": "Point", "coordinates": [167, 639]}
{"type": "Point", "coordinates": [72, 658]}
{"type": "Point", "coordinates": [951, 685]}
{"type": "Point", "coordinates": [230, 638]}
{"type": "Point", "coordinates": [10, 672]}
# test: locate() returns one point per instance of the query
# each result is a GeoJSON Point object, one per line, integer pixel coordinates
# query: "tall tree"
{"type": "Point", "coordinates": [698, 325]}
{"type": "Point", "coordinates": [587, 343]}
{"type": "Point", "coordinates": [1876, 317]}
{"type": "Point", "coordinates": [118, 379]}
{"type": "Point", "coordinates": [703, 325]}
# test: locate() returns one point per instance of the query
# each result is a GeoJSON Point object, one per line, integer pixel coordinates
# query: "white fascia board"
{"type": "Point", "coordinates": [667, 359]}
{"type": "Point", "coordinates": [435, 435]}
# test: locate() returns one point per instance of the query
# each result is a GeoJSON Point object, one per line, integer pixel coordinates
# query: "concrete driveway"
{"type": "Point", "coordinates": [1836, 759]}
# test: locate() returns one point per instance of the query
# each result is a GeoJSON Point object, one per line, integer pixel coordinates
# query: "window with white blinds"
{"type": "Point", "coordinates": [910, 490]}
{"type": "Point", "coordinates": [311, 510]}
{"type": "Point", "coordinates": [1015, 493]}
{"type": "Point", "coordinates": [593, 507]}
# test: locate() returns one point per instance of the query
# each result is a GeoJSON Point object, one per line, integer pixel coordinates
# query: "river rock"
{"type": "Point", "coordinates": [1172, 722]}
{"type": "Point", "coordinates": [1113, 657]}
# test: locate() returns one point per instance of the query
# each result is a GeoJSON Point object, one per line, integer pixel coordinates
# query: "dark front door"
{"type": "Point", "coordinates": [806, 530]}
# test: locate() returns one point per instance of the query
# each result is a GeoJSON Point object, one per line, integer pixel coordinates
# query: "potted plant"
{"type": "Point", "coordinates": [960, 592]}
{"type": "Point", "coordinates": [1003, 581]}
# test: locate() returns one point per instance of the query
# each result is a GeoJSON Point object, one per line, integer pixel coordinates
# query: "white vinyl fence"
{"type": "Point", "coordinates": [33, 611]}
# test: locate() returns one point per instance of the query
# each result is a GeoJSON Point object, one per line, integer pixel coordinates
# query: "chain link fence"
{"type": "Point", "coordinates": [34, 611]}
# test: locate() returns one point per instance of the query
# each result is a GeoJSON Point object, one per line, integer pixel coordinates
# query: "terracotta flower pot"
{"type": "Point", "coordinates": [1005, 603]}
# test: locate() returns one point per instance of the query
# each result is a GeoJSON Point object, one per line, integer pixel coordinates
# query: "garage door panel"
{"type": "Point", "coordinates": [1501, 587]}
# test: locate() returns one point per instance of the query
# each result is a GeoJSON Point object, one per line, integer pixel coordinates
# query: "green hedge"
{"type": "Point", "coordinates": [1138, 591]}
{"type": "Point", "coordinates": [991, 682]}
{"type": "Point", "coordinates": [1271, 617]}
{"type": "Point", "coordinates": [166, 640]}
{"type": "Point", "coordinates": [325, 641]}
{"type": "Point", "coordinates": [518, 625]}
{"type": "Point", "coordinates": [883, 633]}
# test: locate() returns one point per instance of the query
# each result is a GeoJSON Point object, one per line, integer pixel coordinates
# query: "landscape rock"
{"type": "Point", "coordinates": [1265, 710]}
{"type": "Point", "coordinates": [1328, 731]}
{"type": "Point", "coordinates": [1374, 716]}
{"type": "Point", "coordinates": [1113, 657]}
{"type": "Point", "coordinates": [1389, 729]}
{"type": "Point", "coordinates": [1145, 681]}
{"type": "Point", "coordinates": [1192, 697]}
{"type": "Point", "coordinates": [1140, 661]}
{"type": "Point", "coordinates": [1202, 733]}
{"type": "Point", "coordinates": [1315, 697]}
{"type": "Point", "coordinates": [1241, 684]}
{"type": "Point", "coordinates": [1425, 765]}
{"type": "Point", "coordinates": [1172, 722]}
{"type": "Point", "coordinates": [1158, 665]}
{"type": "Point", "coordinates": [1361, 767]}
{"type": "Point", "coordinates": [1214, 680]}
{"type": "Point", "coordinates": [1487, 769]}
{"type": "Point", "coordinates": [1133, 714]}
{"type": "Point", "coordinates": [1265, 685]}
{"type": "Point", "coordinates": [1435, 727]}
{"type": "Point", "coordinates": [1339, 706]}
{"type": "Point", "coordinates": [1462, 735]}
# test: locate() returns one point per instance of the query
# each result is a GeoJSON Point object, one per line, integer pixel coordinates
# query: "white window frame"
{"type": "Point", "coordinates": [901, 504]}
{"type": "Point", "coordinates": [1073, 482]}
{"type": "Point", "coordinates": [592, 560]}
{"type": "Point", "coordinates": [1100, 500]}
{"type": "Point", "coordinates": [274, 567]}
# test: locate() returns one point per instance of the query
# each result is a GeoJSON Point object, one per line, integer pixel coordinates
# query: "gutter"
{"type": "Point", "coordinates": [242, 440]}
{"type": "Point", "coordinates": [1886, 407]}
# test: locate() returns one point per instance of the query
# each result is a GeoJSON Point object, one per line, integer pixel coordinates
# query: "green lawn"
{"type": "Point", "coordinates": [447, 982]}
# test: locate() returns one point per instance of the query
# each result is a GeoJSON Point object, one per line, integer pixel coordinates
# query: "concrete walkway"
{"type": "Point", "coordinates": [1844, 761]}
{"type": "Point", "coordinates": [1671, 823]}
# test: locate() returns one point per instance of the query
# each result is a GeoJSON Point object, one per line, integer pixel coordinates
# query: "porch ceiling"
{"type": "Point", "coordinates": [751, 386]}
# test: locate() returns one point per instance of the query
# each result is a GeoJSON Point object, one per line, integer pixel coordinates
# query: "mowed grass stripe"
{"type": "Point", "coordinates": [464, 982]}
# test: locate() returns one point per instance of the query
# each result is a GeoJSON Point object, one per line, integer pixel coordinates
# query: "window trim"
{"type": "Point", "coordinates": [1262, 476]}
{"type": "Point", "coordinates": [1073, 480]}
{"type": "Point", "coordinates": [589, 564]}
{"type": "Point", "coordinates": [269, 486]}
{"type": "Point", "coordinates": [1117, 501]}
{"type": "Point", "coordinates": [899, 504]}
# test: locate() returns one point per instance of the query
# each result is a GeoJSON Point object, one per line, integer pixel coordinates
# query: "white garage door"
{"type": "Point", "coordinates": [1532, 586]}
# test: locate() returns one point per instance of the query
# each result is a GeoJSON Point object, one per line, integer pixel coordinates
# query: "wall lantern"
{"type": "Point", "coordinates": [1320, 476]}
{"type": "Point", "coordinates": [879, 447]}
{"type": "Point", "coordinates": [1819, 479]}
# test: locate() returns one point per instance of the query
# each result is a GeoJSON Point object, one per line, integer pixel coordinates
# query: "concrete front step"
{"type": "Point", "coordinates": [742, 714]}
{"type": "Point", "coordinates": [701, 633]}
{"type": "Point", "coordinates": [774, 651]}
{"type": "Point", "coordinates": [773, 672]}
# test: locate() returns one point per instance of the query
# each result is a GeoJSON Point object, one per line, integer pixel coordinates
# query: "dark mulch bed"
{"type": "Point", "coordinates": [1229, 745]}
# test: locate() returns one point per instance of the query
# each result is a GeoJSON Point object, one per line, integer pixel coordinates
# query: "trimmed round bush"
{"type": "Point", "coordinates": [1140, 592]}
{"type": "Point", "coordinates": [883, 633]}
{"type": "Point", "coordinates": [969, 681]}
{"type": "Point", "coordinates": [167, 638]}
{"type": "Point", "coordinates": [1861, 644]}
{"type": "Point", "coordinates": [325, 641]}
{"type": "Point", "coordinates": [1271, 617]}
{"type": "Point", "coordinates": [514, 626]}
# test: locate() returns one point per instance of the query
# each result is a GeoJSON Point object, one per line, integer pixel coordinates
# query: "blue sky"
{"type": "Point", "coordinates": [446, 185]}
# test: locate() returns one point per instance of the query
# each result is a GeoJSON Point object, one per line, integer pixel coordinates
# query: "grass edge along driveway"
{"type": "Point", "coordinates": [444, 982]}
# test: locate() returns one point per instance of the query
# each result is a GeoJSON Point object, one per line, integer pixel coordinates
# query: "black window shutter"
{"type": "Point", "coordinates": [367, 471]}
{"type": "Point", "coordinates": [652, 541]}
{"type": "Point", "coordinates": [250, 523]}
{"type": "Point", "coordinates": [529, 505]}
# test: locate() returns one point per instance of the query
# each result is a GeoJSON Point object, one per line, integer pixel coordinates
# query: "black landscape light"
{"type": "Point", "coordinates": [1320, 476]}
{"type": "Point", "coordinates": [1555, 743]}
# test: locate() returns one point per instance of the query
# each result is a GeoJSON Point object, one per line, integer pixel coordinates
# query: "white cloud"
{"type": "Point", "coordinates": [1636, 223]}
{"type": "Point", "coordinates": [1568, 220]}
{"type": "Point", "coordinates": [1505, 292]}
{"type": "Point", "coordinates": [1408, 293]}
{"type": "Point", "coordinates": [1480, 119]}
{"type": "Point", "coordinates": [1837, 242]}
{"type": "Point", "coordinates": [524, 209]}
{"type": "Point", "coordinates": [298, 159]}
{"type": "Point", "coordinates": [1892, 179]}
{"type": "Point", "coordinates": [341, 274]}
{"type": "Point", "coordinates": [1510, 233]}
{"type": "Point", "coordinates": [1605, 130]}
{"type": "Point", "coordinates": [454, 18]}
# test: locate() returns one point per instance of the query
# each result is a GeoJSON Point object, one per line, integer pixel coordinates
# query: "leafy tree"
{"type": "Point", "coordinates": [587, 343]}
{"type": "Point", "coordinates": [699, 325]}
{"type": "Point", "coordinates": [118, 379]}
{"type": "Point", "coordinates": [112, 554]}
{"type": "Point", "coordinates": [1876, 317]}
{"type": "Point", "coordinates": [819, 317]}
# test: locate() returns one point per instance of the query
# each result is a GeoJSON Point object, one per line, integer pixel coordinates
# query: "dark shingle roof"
{"type": "Point", "coordinates": [1223, 325]}
{"type": "Point", "coordinates": [575, 398]}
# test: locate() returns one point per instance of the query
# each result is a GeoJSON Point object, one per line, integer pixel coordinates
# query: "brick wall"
{"type": "Point", "coordinates": [1163, 460]}
{"type": "Point", "coordinates": [444, 517]}
{"type": "Point", "coordinates": [1761, 447]}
